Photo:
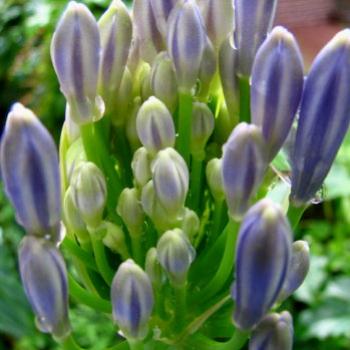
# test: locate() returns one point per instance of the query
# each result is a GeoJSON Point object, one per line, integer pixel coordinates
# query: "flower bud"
{"type": "Point", "coordinates": [149, 37]}
{"type": "Point", "coordinates": [254, 19]}
{"type": "Point", "coordinates": [218, 19]}
{"type": "Point", "coordinates": [207, 69]}
{"type": "Point", "coordinates": [175, 254]}
{"type": "Point", "coordinates": [324, 118]}
{"type": "Point", "coordinates": [132, 300]}
{"type": "Point", "coordinates": [44, 278]}
{"type": "Point", "coordinates": [75, 53]}
{"type": "Point", "coordinates": [202, 128]}
{"type": "Point", "coordinates": [214, 179]}
{"type": "Point", "coordinates": [171, 179]}
{"type": "Point", "coordinates": [274, 332]}
{"type": "Point", "coordinates": [190, 223]}
{"type": "Point", "coordinates": [114, 239]}
{"type": "Point", "coordinates": [116, 32]}
{"type": "Point", "coordinates": [72, 128]}
{"type": "Point", "coordinates": [243, 167]}
{"type": "Point", "coordinates": [276, 88]}
{"type": "Point", "coordinates": [89, 192]}
{"type": "Point", "coordinates": [155, 126]}
{"type": "Point", "coordinates": [130, 210]}
{"type": "Point", "coordinates": [163, 81]}
{"type": "Point", "coordinates": [228, 66]}
{"type": "Point", "coordinates": [153, 268]}
{"type": "Point", "coordinates": [263, 255]}
{"type": "Point", "coordinates": [30, 172]}
{"type": "Point", "coordinates": [145, 82]}
{"type": "Point", "coordinates": [161, 10]}
{"type": "Point", "coordinates": [186, 42]}
{"type": "Point", "coordinates": [141, 167]}
{"type": "Point", "coordinates": [131, 132]}
{"type": "Point", "coordinates": [298, 269]}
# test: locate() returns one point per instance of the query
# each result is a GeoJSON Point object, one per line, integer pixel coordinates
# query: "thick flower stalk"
{"type": "Point", "coordinates": [175, 113]}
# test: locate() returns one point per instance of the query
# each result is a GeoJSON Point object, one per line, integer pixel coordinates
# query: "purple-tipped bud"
{"type": "Point", "coordinates": [254, 19]}
{"type": "Point", "coordinates": [161, 10]}
{"type": "Point", "coordinates": [171, 179]}
{"type": "Point", "coordinates": [186, 42]}
{"type": "Point", "coordinates": [175, 254]}
{"type": "Point", "coordinates": [75, 53]}
{"type": "Point", "coordinates": [130, 210]}
{"type": "Point", "coordinates": [243, 167]}
{"type": "Point", "coordinates": [228, 65]}
{"type": "Point", "coordinates": [324, 118]}
{"type": "Point", "coordinates": [149, 38]}
{"type": "Point", "coordinates": [116, 32]}
{"type": "Point", "coordinates": [141, 166]}
{"type": "Point", "coordinates": [44, 278]}
{"type": "Point", "coordinates": [155, 126]}
{"type": "Point", "coordinates": [274, 332]}
{"type": "Point", "coordinates": [89, 192]}
{"type": "Point", "coordinates": [298, 269]}
{"type": "Point", "coordinates": [218, 19]}
{"type": "Point", "coordinates": [214, 179]}
{"type": "Point", "coordinates": [276, 88]}
{"type": "Point", "coordinates": [163, 81]}
{"type": "Point", "coordinates": [263, 255]}
{"type": "Point", "coordinates": [202, 128]}
{"type": "Point", "coordinates": [132, 300]}
{"type": "Point", "coordinates": [30, 172]}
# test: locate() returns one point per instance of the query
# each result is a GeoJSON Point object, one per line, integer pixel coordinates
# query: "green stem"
{"type": "Point", "coordinates": [244, 99]}
{"type": "Point", "coordinates": [295, 214]}
{"type": "Point", "coordinates": [101, 260]}
{"type": "Point", "coordinates": [73, 249]}
{"type": "Point", "coordinates": [237, 341]}
{"type": "Point", "coordinates": [135, 345]}
{"type": "Point", "coordinates": [217, 220]}
{"type": "Point", "coordinates": [180, 305]}
{"type": "Point", "coordinates": [70, 344]}
{"type": "Point", "coordinates": [196, 183]}
{"type": "Point", "coordinates": [226, 264]}
{"type": "Point", "coordinates": [124, 155]}
{"type": "Point", "coordinates": [137, 251]}
{"type": "Point", "coordinates": [80, 295]}
{"type": "Point", "coordinates": [185, 125]}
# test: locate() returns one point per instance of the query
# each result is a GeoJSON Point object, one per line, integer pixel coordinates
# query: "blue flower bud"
{"type": "Point", "coordinates": [298, 269]}
{"type": "Point", "coordinates": [276, 88]}
{"type": "Point", "coordinates": [202, 127]}
{"type": "Point", "coordinates": [149, 38]}
{"type": "Point", "coordinates": [116, 31]}
{"type": "Point", "coordinates": [44, 278]}
{"type": "Point", "coordinates": [324, 118]}
{"type": "Point", "coordinates": [161, 10]}
{"type": "Point", "coordinates": [141, 166]}
{"type": "Point", "coordinates": [254, 19]}
{"type": "Point", "coordinates": [30, 172]}
{"type": "Point", "coordinates": [186, 42]}
{"type": "Point", "coordinates": [171, 179]}
{"type": "Point", "coordinates": [263, 255]}
{"type": "Point", "coordinates": [89, 192]}
{"type": "Point", "coordinates": [155, 126]}
{"type": "Point", "coordinates": [132, 300]}
{"type": "Point", "coordinates": [163, 81]}
{"type": "Point", "coordinates": [274, 332]}
{"type": "Point", "coordinates": [243, 167]}
{"type": "Point", "coordinates": [228, 66]}
{"type": "Point", "coordinates": [75, 53]}
{"type": "Point", "coordinates": [218, 19]}
{"type": "Point", "coordinates": [175, 254]}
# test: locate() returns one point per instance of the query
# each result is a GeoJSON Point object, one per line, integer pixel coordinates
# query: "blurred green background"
{"type": "Point", "coordinates": [321, 307]}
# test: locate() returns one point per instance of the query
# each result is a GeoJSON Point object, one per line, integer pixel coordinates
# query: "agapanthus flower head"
{"type": "Point", "coordinates": [30, 172]}
{"type": "Point", "coordinates": [44, 278]}
{"type": "Point", "coordinates": [75, 53]}
{"type": "Point", "coordinates": [274, 332]}
{"type": "Point", "coordinates": [132, 300]}
{"type": "Point", "coordinates": [263, 255]}
{"type": "Point", "coordinates": [276, 87]}
{"type": "Point", "coordinates": [324, 118]}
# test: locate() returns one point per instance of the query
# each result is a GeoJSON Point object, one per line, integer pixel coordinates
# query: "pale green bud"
{"type": "Point", "coordinates": [114, 239]}
{"type": "Point", "coordinates": [190, 223]}
{"type": "Point", "coordinates": [141, 166]}
{"type": "Point", "coordinates": [155, 126]}
{"type": "Point", "coordinates": [214, 179]}
{"type": "Point", "coordinates": [89, 192]}
{"type": "Point", "coordinates": [207, 69]}
{"type": "Point", "coordinates": [203, 123]}
{"type": "Point", "coordinates": [131, 132]}
{"type": "Point", "coordinates": [130, 210]}
{"type": "Point", "coordinates": [153, 268]}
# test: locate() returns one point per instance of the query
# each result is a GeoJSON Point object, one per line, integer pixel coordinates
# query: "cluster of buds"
{"type": "Point", "coordinates": [174, 113]}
